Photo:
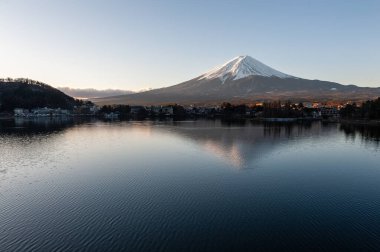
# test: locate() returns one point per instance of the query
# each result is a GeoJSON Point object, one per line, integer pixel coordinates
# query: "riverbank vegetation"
{"type": "Point", "coordinates": [369, 110]}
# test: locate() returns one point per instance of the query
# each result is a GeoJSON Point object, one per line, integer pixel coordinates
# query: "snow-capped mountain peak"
{"type": "Point", "coordinates": [241, 67]}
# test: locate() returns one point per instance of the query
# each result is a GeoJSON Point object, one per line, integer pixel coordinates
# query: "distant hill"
{"type": "Point", "coordinates": [88, 93]}
{"type": "Point", "coordinates": [245, 79]}
{"type": "Point", "coordinates": [25, 93]}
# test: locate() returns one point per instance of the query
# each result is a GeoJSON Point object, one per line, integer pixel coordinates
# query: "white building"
{"type": "Point", "coordinates": [21, 112]}
{"type": "Point", "coordinates": [167, 110]}
{"type": "Point", "coordinates": [329, 112]}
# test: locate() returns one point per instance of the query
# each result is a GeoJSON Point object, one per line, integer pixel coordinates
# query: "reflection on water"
{"type": "Point", "coordinates": [204, 185]}
{"type": "Point", "coordinates": [368, 133]}
{"type": "Point", "coordinates": [241, 143]}
{"type": "Point", "coordinates": [237, 143]}
{"type": "Point", "coordinates": [40, 124]}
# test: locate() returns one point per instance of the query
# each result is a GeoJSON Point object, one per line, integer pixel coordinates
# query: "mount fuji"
{"type": "Point", "coordinates": [242, 67]}
{"type": "Point", "coordinates": [245, 79]}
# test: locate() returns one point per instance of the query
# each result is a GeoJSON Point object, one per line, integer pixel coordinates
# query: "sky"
{"type": "Point", "coordinates": [136, 45]}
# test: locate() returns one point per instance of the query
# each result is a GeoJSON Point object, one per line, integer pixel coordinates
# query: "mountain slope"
{"type": "Point", "coordinates": [244, 79]}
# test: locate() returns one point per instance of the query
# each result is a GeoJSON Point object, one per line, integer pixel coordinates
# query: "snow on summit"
{"type": "Point", "coordinates": [241, 67]}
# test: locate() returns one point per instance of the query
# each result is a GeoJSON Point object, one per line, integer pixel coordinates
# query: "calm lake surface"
{"type": "Point", "coordinates": [188, 186]}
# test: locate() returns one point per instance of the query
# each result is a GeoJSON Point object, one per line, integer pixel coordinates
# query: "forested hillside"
{"type": "Point", "coordinates": [26, 93]}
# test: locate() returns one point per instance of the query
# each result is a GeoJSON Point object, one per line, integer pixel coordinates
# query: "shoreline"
{"type": "Point", "coordinates": [257, 119]}
{"type": "Point", "coordinates": [360, 122]}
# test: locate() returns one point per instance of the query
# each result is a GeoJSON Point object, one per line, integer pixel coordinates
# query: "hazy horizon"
{"type": "Point", "coordinates": [146, 44]}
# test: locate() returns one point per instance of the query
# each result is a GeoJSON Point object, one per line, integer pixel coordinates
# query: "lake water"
{"type": "Point", "coordinates": [188, 186]}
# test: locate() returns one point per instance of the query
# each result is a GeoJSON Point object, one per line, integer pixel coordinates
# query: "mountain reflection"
{"type": "Point", "coordinates": [239, 144]}
{"type": "Point", "coordinates": [244, 143]}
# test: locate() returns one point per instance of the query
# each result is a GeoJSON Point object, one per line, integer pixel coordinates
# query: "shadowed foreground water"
{"type": "Point", "coordinates": [188, 186]}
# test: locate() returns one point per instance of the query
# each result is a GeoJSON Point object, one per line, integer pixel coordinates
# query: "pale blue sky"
{"type": "Point", "coordinates": [141, 44]}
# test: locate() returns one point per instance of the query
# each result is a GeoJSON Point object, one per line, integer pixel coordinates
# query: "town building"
{"type": "Point", "coordinates": [329, 112]}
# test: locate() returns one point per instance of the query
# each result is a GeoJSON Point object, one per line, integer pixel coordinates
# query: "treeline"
{"type": "Point", "coordinates": [367, 110]}
{"type": "Point", "coordinates": [275, 109]}
{"type": "Point", "coordinates": [23, 80]}
{"type": "Point", "coordinates": [121, 109]}
{"type": "Point", "coordinates": [28, 94]}
{"type": "Point", "coordinates": [141, 111]}
{"type": "Point", "coordinates": [226, 110]}
{"type": "Point", "coordinates": [286, 110]}
{"type": "Point", "coordinates": [230, 110]}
